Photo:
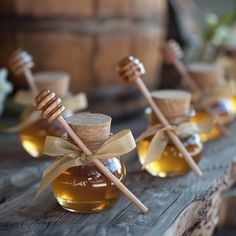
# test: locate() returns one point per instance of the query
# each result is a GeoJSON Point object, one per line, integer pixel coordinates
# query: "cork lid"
{"type": "Point", "coordinates": [92, 128]}
{"type": "Point", "coordinates": [172, 103]}
{"type": "Point", "coordinates": [55, 81]}
{"type": "Point", "coordinates": [206, 74]}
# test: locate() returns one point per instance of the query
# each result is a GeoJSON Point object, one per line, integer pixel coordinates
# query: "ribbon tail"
{"type": "Point", "coordinates": [156, 148]}
{"type": "Point", "coordinates": [149, 132]}
{"type": "Point", "coordinates": [55, 164]}
{"type": "Point", "coordinates": [32, 118]}
{"type": "Point", "coordinates": [54, 173]}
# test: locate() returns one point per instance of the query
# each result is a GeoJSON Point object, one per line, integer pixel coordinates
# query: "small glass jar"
{"type": "Point", "coordinates": [171, 163]}
{"type": "Point", "coordinates": [233, 102]}
{"type": "Point", "coordinates": [224, 112]}
{"type": "Point", "coordinates": [85, 189]}
{"type": "Point", "coordinates": [207, 76]}
{"type": "Point", "coordinates": [227, 63]}
{"type": "Point", "coordinates": [33, 136]}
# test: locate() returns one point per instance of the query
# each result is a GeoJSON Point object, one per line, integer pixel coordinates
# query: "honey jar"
{"type": "Point", "coordinates": [227, 63]}
{"type": "Point", "coordinates": [175, 105]}
{"type": "Point", "coordinates": [32, 136]}
{"type": "Point", "coordinates": [84, 188]}
{"type": "Point", "coordinates": [209, 78]}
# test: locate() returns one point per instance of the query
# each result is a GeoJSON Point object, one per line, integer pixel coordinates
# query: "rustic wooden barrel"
{"type": "Point", "coordinates": [87, 38]}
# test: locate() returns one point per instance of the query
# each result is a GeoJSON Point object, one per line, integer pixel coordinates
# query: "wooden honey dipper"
{"type": "Point", "coordinates": [172, 54]}
{"type": "Point", "coordinates": [20, 63]}
{"type": "Point", "coordinates": [51, 108]}
{"type": "Point", "coordinates": [130, 69]}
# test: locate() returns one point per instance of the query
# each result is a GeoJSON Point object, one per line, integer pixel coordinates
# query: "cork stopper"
{"type": "Point", "coordinates": [92, 128]}
{"type": "Point", "coordinates": [172, 103]}
{"type": "Point", "coordinates": [205, 74]}
{"type": "Point", "coordinates": [55, 81]}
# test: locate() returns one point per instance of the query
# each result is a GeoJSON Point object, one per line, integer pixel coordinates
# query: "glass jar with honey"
{"type": "Point", "coordinates": [215, 92]}
{"type": "Point", "coordinates": [84, 188]}
{"type": "Point", "coordinates": [32, 136]}
{"type": "Point", "coordinates": [227, 63]}
{"type": "Point", "coordinates": [175, 105]}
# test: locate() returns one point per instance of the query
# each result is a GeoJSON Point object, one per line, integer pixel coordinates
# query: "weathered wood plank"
{"type": "Point", "coordinates": [176, 205]}
{"type": "Point", "coordinates": [17, 167]}
{"type": "Point", "coordinates": [227, 209]}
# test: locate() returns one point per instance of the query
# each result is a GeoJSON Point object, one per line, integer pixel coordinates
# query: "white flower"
{"type": "Point", "coordinates": [221, 35]}
{"type": "Point", "coordinates": [212, 19]}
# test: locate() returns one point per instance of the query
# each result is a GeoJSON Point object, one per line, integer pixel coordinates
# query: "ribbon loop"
{"type": "Point", "coordinates": [69, 155]}
{"type": "Point", "coordinates": [75, 103]}
{"type": "Point", "coordinates": [159, 140]}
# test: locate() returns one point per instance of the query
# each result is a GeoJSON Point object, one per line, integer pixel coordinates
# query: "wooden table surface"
{"type": "Point", "coordinates": [177, 206]}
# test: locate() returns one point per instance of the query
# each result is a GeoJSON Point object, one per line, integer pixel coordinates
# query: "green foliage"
{"type": "Point", "coordinates": [214, 25]}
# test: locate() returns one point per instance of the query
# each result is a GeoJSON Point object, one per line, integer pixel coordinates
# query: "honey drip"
{"type": "Point", "coordinates": [171, 162]}
{"type": "Point", "coordinates": [85, 189]}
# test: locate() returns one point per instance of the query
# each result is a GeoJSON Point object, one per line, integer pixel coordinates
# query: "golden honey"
{"type": "Point", "coordinates": [224, 112]}
{"type": "Point", "coordinates": [233, 101]}
{"type": "Point", "coordinates": [210, 79]}
{"type": "Point", "coordinates": [33, 136]}
{"type": "Point", "coordinates": [85, 189]}
{"type": "Point", "coordinates": [171, 163]}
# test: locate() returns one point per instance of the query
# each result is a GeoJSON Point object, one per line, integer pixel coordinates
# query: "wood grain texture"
{"type": "Point", "coordinates": [86, 38]}
{"type": "Point", "coordinates": [178, 206]}
{"type": "Point", "coordinates": [81, 8]}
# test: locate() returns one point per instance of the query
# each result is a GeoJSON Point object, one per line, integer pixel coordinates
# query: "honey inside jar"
{"type": "Point", "coordinates": [33, 136]}
{"type": "Point", "coordinates": [208, 76]}
{"type": "Point", "coordinates": [224, 112]}
{"type": "Point", "coordinates": [84, 188]}
{"type": "Point", "coordinates": [171, 162]}
{"type": "Point", "coordinates": [233, 101]}
{"type": "Point", "coordinates": [227, 63]}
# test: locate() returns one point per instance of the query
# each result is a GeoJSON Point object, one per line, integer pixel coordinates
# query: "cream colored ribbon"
{"type": "Point", "coordinates": [70, 155]}
{"type": "Point", "coordinates": [72, 104]}
{"type": "Point", "coordinates": [24, 97]}
{"type": "Point", "coordinates": [217, 93]}
{"type": "Point", "coordinates": [160, 140]}
{"type": "Point", "coordinates": [33, 117]}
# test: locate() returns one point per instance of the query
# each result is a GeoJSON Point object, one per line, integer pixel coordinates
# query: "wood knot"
{"type": "Point", "coordinates": [50, 105]}
{"type": "Point", "coordinates": [130, 68]}
{"type": "Point", "coordinates": [20, 61]}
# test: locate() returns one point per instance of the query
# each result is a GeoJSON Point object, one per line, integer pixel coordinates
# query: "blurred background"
{"type": "Point", "coordinates": [86, 38]}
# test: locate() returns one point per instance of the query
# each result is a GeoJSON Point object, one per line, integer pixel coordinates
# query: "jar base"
{"type": "Point", "coordinates": [86, 207]}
